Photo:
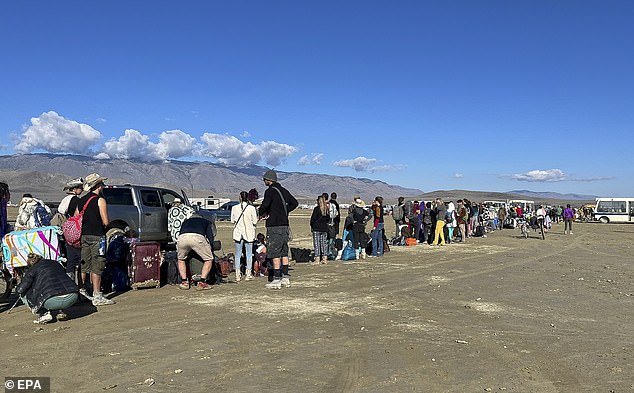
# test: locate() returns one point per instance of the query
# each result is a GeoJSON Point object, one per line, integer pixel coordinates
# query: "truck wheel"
{"type": "Point", "coordinates": [604, 220]}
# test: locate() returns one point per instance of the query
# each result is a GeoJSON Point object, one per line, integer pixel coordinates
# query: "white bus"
{"type": "Point", "coordinates": [614, 210]}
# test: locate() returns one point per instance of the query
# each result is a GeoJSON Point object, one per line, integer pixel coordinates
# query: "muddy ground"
{"type": "Point", "coordinates": [495, 314]}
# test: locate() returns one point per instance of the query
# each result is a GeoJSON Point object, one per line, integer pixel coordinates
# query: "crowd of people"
{"type": "Point", "coordinates": [46, 288]}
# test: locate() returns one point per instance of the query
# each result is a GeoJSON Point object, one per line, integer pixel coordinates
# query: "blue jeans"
{"type": "Point", "coordinates": [249, 256]}
{"type": "Point", "coordinates": [377, 240]}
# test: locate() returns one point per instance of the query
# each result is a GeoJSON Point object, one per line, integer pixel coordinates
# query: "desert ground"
{"type": "Point", "coordinates": [495, 314]}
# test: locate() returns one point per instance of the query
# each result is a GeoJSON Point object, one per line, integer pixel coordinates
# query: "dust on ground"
{"type": "Point", "coordinates": [495, 314]}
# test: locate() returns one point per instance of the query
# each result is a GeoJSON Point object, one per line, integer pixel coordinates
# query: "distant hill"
{"type": "Point", "coordinates": [554, 195]}
{"type": "Point", "coordinates": [44, 175]}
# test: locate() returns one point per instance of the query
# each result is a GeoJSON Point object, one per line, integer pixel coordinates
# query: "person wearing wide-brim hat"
{"type": "Point", "coordinates": [359, 217]}
{"type": "Point", "coordinates": [94, 224]}
{"type": "Point", "coordinates": [69, 207]}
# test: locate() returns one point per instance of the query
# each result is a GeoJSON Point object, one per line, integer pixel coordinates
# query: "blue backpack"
{"type": "Point", "coordinates": [42, 216]}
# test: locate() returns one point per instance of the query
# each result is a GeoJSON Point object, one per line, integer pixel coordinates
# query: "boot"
{"type": "Point", "coordinates": [324, 259]}
{"type": "Point", "coordinates": [363, 254]}
{"type": "Point", "coordinates": [356, 254]}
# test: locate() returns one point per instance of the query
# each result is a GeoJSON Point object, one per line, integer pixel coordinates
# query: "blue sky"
{"type": "Point", "coordinates": [477, 95]}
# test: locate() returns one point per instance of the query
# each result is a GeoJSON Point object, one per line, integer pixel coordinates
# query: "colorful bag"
{"type": "Point", "coordinates": [72, 227]}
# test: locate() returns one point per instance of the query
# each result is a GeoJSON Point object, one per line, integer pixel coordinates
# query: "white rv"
{"type": "Point", "coordinates": [614, 210]}
{"type": "Point", "coordinates": [209, 203]}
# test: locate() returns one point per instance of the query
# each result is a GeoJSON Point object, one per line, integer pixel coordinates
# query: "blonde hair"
{"type": "Point", "coordinates": [322, 205]}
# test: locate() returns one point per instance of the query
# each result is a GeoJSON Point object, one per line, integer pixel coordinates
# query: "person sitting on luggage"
{"type": "Point", "coordinates": [197, 235]}
{"type": "Point", "coordinates": [46, 287]}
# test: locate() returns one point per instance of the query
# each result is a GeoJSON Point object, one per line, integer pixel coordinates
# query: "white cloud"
{"type": "Point", "coordinates": [245, 134]}
{"type": "Point", "coordinates": [230, 150]}
{"type": "Point", "coordinates": [133, 144]}
{"type": "Point", "coordinates": [314, 159]}
{"type": "Point", "coordinates": [458, 175]}
{"type": "Point", "coordinates": [101, 120]}
{"type": "Point", "coordinates": [538, 175]}
{"type": "Point", "coordinates": [176, 144]}
{"type": "Point", "coordinates": [55, 134]}
{"type": "Point", "coordinates": [359, 164]}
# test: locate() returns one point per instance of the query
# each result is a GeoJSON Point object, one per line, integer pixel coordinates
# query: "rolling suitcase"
{"type": "Point", "coordinates": [144, 265]}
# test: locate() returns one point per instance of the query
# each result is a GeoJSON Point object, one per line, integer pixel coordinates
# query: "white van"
{"type": "Point", "coordinates": [614, 210]}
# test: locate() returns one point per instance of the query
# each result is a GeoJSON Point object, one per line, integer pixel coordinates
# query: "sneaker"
{"type": "Point", "coordinates": [570, 233]}
{"type": "Point", "coordinates": [184, 285]}
{"type": "Point", "coordinates": [248, 277]}
{"type": "Point", "coordinates": [44, 318]}
{"type": "Point", "coordinates": [61, 316]}
{"type": "Point", "coordinates": [238, 276]}
{"type": "Point", "coordinates": [275, 284]}
{"type": "Point", "coordinates": [101, 300]}
{"type": "Point", "coordinates": [286, 281]}
{"type": "Point", "coordinates": [84, 293]}
{"type": "Point", "coordinates": [203, 286]}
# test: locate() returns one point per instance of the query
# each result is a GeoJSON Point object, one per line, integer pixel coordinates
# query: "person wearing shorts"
{"type": "Point", "coordinates": [94, 222]}
{"type": "Point", "coordinates": [276, 205]}
{"type": "Point", "coordinates": [196, 235]}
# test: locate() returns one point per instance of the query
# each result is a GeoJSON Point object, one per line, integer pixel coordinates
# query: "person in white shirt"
{"type": "Point", "coordinates": [244, 217]}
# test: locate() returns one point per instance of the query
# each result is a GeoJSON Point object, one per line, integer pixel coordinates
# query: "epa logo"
{"type": "Point", "coordinates": [26, 384]}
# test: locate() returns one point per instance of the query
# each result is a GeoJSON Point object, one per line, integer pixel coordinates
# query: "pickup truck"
{"type": "Point", "coordinates": [144, 210]}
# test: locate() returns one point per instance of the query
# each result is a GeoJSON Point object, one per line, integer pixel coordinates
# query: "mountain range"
{"type": "Point", "coordinates": [44, 176]}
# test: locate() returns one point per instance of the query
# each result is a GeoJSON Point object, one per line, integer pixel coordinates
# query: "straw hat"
{"type": "Point", "coordinates": [92, 180]}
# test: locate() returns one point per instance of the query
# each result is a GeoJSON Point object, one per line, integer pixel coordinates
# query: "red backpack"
{"type": "Point", "coordinates": [72, 227]}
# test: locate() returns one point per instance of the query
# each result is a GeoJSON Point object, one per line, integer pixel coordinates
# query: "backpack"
{"type": "Point", "coordinates": [408, 209]}
{"type": "Point", "coordinates": [332, 211]}
{"type": "Point", "coordinates": [398, 213]}
{"type": "Point", "coordinates": [72, 227]}
{"type": "Point", "coordinates": [42, 216]}
{"type": "Point", "coordinates": [449, 217]}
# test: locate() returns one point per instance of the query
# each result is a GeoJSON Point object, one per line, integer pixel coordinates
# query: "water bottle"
{"type": "Point", "coordinates": [102, 246]}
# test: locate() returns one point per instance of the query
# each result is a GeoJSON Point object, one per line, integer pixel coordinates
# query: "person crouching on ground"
{"type": "Point", "coordinates": [244, 217]}
{"type": "Point", "coordinates": [196, 235]}
{"type": "Point", "coordinates": [319, 227]}
{"type": "Point", "coordinates": [46, 287]}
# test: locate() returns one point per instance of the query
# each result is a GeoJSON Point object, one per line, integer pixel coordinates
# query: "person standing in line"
{"type": "Point", "coordinates": [426, 218]}
{"type": "Point", "coordinates": [319, 227]}
{"type": "Point", "coordinates": [276, 205]}
{"type": "Point", "coordinates": [337, 219]}
{"type": "Point", "coordinates": [569, 215]}
{"type": "Point", "coordinates": [93, 233]}
{"type": "Point", "coordinates": [69, 206]}
{"type": "Point", "coordinates": [462, 218]}
{"type": "Point", "coordinates": [441, 210]}
{"type": "Point", "coordinates": [501, 217]}
{"type": "Point", "coordinates": [450, 222]}
{"type": "Point", "coordinates": [359, 219]}
{"type": "Point", "coordinates": [398, 214]}
{"type": "Point", "coordinates": [379, 227]}
{"type": "Point", "coordinates": [244, 217]}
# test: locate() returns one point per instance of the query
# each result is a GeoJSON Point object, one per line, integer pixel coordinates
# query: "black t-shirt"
{"type": "Point", "coordinates": [91, 222]}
